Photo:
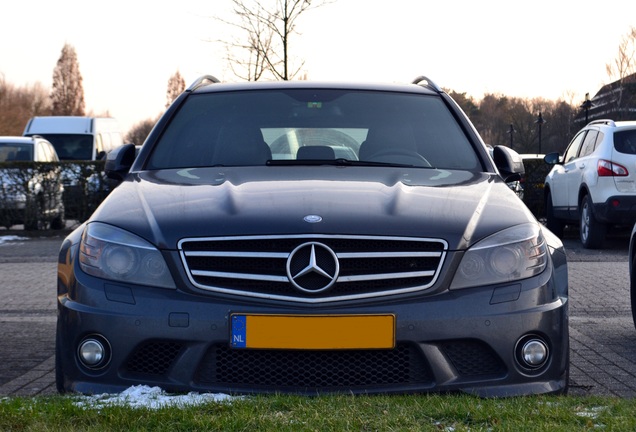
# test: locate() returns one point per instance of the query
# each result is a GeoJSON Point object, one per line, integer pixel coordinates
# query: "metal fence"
{"type": "Point", "coordinates": [44, 195]}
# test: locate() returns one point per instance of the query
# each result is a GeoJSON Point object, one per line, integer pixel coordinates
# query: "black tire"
{"type": "Point", "coordinates": [566, 389]}
{"type": "Point", "coordinates": [591, 231]}
{"type": "Point", "coordinates": [58, 222]}
{"type": "Point", "coordinates": [59, 371]}
{"type": "Point", "coordinates": [632, 289]}
{"type": "Point", "coordinates": [32, 220]}
{"type": "Point", "coordinates": [553, 223]}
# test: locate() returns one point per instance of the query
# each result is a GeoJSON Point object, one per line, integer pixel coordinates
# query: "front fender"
{"type": "Point", "coordinates": [69, 248]}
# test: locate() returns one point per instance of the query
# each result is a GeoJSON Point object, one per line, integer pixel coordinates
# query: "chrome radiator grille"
{"type": "Point", "coordinates": [312, 268]}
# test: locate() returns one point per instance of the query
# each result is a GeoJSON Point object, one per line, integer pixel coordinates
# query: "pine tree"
{"type": "Point", "coordinates": [67, 94]}
{"type": "Point", "coordinates": [176, 86]}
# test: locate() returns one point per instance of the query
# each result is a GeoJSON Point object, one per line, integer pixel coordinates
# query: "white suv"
{"type": "Point", "coordinates": [594, 183]}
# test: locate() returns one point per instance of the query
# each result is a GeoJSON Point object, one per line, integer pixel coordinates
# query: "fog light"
{"type": "Point", "coordinates": [534, 352]}
{"type": "Point", "coordinates": [93, 352]}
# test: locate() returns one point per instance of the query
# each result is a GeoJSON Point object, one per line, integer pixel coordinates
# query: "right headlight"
{"type": "Point", "coordinates": [112, 253]}
{"type": "Point", "coordinates": [515, 253]}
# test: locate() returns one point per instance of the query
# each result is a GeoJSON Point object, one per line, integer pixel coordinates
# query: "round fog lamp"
{"type": "Point", "coordinates": [534, 352]}
{"type": "Point", "coordinates": [91, 352]}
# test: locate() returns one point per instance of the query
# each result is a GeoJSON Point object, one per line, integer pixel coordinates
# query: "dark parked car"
{"type": "Point", "coordinates": [245, 252]}
{"type": "Point", "coordinates": [30, 195]}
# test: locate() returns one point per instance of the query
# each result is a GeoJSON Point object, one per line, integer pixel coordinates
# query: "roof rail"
{"type": "Point", "coordinates": [603, 121]}
{"type": "Point", "coordinates": [205, 79]}
{"type": "Point", "coordinates": [429, 83]}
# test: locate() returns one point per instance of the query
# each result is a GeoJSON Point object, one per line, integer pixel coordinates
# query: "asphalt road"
{"type": "Point", "coordinates": [602, 333]}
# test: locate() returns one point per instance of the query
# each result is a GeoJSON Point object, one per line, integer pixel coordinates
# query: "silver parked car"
{"type": "Point", "coordinates": [30, 195]}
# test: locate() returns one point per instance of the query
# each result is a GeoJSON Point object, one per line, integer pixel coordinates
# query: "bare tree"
{"type": "Point", "coordinates": [622, 71]}
{"type": "Point", "coordinates": [139, 132]}
{"type": "Point", "coordinates": [176, 86]}
{"type": "Point", "coordinates": [67, 94]}
{"type": "Point", "coordinates": [624, 63]}
{"type": "Point", "coordinates": [263, 49]}
{"type": "Point", "coordinates": [19, 104]}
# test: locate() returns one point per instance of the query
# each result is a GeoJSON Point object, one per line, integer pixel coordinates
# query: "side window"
{"type": "Point", "coordinates": [42, 152]}
{"type": "Point", "coordinates": [39, 152]}
{"type": "Point", "coordinates": [99, 146]}
{"type": "Point", "coordinates": [599, 138]}
{"type": "Point", "coordinates": [573, 149]}
{"type": "Point", "coordinates": [51, 155]}
{"type": "Point", "coordinates": [589, 143]}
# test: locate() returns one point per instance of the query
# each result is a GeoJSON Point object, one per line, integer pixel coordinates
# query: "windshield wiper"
{"type": "Point", "coordinates": [335, 162]}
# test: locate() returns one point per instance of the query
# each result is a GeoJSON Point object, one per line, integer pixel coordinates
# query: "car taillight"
{"type": "Point", "coordinates": [606, 168]}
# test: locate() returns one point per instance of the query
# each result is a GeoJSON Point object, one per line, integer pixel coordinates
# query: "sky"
{"type": "Point", "coordinates": [128, 50]}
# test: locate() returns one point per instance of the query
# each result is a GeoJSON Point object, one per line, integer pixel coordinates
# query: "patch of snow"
{"type": "Point", "coordinates": [9, 238]}
{"type": "Point", "coordinates": [591, 412]}
{"type": "Point", "coordinates": [149, 397]}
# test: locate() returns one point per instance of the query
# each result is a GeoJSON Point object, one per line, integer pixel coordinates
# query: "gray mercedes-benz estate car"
{"type": "Point", "coordinates": [313, 238]}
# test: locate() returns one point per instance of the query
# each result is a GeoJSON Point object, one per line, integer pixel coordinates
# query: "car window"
{"type": "Point", "coordinates": [573, 149]}
{"type": "Point", "coordinates": [589, 143]}
{"type": "Point", "coordinates": [15, 152]}
{"type": "Point", "coordinates": [40, 154]}
{"type": "Point", "coordinates": [48, 152]}
{"type": "Point", "coordinates": [625, 141]}
{"type": "Point", "coordinates": [253, 127]}
{"type": "Point", "coordinates": [72, 146]}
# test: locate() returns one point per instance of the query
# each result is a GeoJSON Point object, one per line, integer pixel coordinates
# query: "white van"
{"type": "Point", "coordinates": [77, 138]}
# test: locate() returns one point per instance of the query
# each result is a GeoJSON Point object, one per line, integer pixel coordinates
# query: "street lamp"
{"type": "Point", "coordinates": [540, 122]}
{"type": "Point", "coordinates": [586, 105]}
{"type": "Point", "coordinates": [511, 131]}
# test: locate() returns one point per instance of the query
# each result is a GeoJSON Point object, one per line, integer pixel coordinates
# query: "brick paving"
{"type": "Point", "coordinates": [602, 334]}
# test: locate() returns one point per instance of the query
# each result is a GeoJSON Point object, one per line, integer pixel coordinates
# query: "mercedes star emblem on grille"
{"type": "Point", "coordinates": [312, 267]}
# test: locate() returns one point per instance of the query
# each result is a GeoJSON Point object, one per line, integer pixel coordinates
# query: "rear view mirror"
{"type": "Point", "coordinates": [509, 163]}
{"type": "Point", "coordinates": [119, 161]}
{"type": "Point", "coordinates": [552, 158]}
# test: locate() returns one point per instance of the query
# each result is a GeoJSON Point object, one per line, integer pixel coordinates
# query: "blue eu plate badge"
{"type": "Point", "coordinates": [239, 325]}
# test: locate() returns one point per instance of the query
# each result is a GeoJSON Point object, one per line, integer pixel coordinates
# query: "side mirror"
{"type": "Point", "coordinates": [552, 158]}
{"type": "Point", "coordinates": [119, 161]}
{"type": "Point", "coordinates": [509, 163]}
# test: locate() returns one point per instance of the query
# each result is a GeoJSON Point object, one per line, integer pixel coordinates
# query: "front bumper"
{"type": "Point", "coordinates": [461, 340]}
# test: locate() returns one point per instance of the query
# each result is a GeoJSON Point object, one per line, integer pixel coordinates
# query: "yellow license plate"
{"type": "Point", "coordinates": [313, 331]}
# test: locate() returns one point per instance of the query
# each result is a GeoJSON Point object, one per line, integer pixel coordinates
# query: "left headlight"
{"type": "Point", "coordinates": [515, 253]}
{"type": "Point", "coordinates": [112, 253]}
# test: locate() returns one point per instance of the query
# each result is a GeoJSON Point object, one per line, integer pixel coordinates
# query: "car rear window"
{"type": "Point", "coordinates": [15, 152]}
{"type": "Point", "coordinates": [625, 141]}
{"type": "Point", "coordinates": [250, 127]}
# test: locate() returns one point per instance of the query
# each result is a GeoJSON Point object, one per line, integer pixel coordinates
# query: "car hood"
{"type": "Point", "coordinates": [458, 206]}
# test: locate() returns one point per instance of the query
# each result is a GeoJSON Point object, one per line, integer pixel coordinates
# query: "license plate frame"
{"type": "Point", "coordinates": [312, 332]}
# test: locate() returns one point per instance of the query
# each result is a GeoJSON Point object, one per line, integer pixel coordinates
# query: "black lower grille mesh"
{"type": "Point", "coordinates": [313, 370]}
{"type": "Point", "coordinates": [473, 358]}
{"type": "Point", "coordinates": [153, 358]}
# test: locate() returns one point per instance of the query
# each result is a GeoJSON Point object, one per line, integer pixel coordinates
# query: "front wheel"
{"type": "Point", "coordinates": [592, 232]}
{"type": "Point", "coordinates": [59, 370]}
{"type": "Point", "coordinates": [553, 223]}
{"type": "Point", "coordinates": [632, 289]}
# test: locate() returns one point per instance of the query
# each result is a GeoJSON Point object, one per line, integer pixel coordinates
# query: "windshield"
{"type": "Point", "coordinates": [71, 146]}
{"type": "Point", "coordinates": [260, 127]}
